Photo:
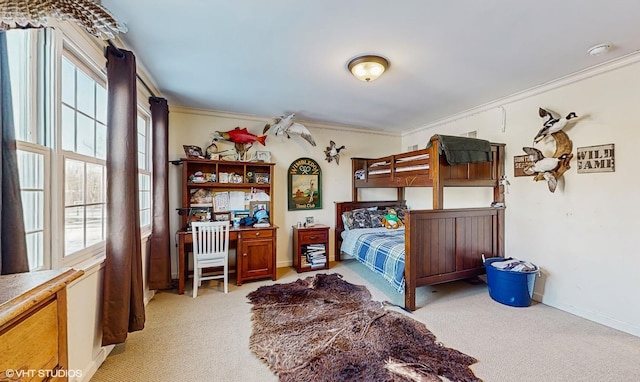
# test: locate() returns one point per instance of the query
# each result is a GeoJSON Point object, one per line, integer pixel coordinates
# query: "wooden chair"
{"type": "Point", "coordinates": [210, 249]}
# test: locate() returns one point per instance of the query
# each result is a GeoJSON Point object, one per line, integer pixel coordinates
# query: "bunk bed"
{"type": "Point", "coordinates": [440, 245]}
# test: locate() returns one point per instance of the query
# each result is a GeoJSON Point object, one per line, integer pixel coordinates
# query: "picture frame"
{"type": "Point", "coordinates": [192, 151]}
{"type": "Point", "coordinates": [258, 205]}
{"type": "Point", "coordinates": [263, 156]}
{"type": "Point", "coordinates": [261, 178]}
{"type": "Point", "coordinates": [200, 197]}
{"type": "Point", "coordinates": [308, 221]}
{"type": "Point", "coordinates": [221, 216]}
{"type": "Point", "coordinates": [304, 185]}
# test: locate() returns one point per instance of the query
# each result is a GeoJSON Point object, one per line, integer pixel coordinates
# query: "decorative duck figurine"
{"type": "Point", "coordinates": [553, 123]}
{"type": "Point", "coordinates": [332, 152]}
{"type": "Point", "coordinates": [284, 125]}
{"type": "Point", "coordinates": [543, 165]}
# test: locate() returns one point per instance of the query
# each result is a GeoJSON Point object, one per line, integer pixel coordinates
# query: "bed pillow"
{"type": "Point", "coordinates": [355, 219]}
{"type": "Point", "coordinates": [401, 212]}
{"type": "Point", "coordinates": [376, 218]}
{"type": "Point", "coordinates": [345, 221]}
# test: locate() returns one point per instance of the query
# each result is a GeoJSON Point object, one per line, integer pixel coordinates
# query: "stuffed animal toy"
{"type": "Point", "coordinates": [391, 220]}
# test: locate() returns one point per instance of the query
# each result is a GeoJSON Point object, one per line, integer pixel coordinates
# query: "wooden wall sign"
{"type": "Point", "coordinates": [596, 159]}
{"type": "Point", "coordinates": [305, 185]}
{"type": "Point", "coordinates": [520, 162]}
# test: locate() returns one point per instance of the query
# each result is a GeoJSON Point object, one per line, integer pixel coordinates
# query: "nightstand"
{"type": "Point", "coordinates": [311, 248]}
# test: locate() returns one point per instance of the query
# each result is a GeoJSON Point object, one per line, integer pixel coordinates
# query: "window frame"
{"type": "Point", "coordinates": [69, 50]}
{"type": "Point", "coordinates": [44, 87]}
{"type": "Point", "coordinates": [145, 230]}
{"type": "Point", "coordinates": [47, 212]}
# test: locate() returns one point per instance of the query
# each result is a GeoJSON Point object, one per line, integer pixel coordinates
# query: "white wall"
{"type": "Point", "coordinates": [585, 235]}
{"type": "Point", "coordinates": [84, 317]}
{"type": "Point", "coordinates": [195, 127]}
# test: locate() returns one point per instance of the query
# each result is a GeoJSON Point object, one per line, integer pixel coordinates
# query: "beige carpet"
{"type": "Point", "coordinates": [207, 338]}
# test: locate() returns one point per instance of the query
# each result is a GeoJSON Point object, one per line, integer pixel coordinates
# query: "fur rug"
{"type": "Point", "coordinates": [323, 328]}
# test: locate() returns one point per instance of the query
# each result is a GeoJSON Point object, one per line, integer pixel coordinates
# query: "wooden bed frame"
{"type": "Point", "coordinates": [440, 244]}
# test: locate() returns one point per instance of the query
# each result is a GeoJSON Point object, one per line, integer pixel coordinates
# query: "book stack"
{"type": "Point", "coordinates": [314, 255]}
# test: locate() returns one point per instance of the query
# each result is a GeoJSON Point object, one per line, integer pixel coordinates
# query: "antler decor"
{"type": "Point", "coordinates": [93, 17]}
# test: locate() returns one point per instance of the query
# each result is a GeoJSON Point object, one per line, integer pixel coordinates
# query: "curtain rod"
{"type": "Point", "coordinates": [121, 54]}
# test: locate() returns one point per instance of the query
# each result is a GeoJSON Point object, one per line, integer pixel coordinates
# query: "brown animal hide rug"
{"type": "Point", "coordinates": [323, 328]}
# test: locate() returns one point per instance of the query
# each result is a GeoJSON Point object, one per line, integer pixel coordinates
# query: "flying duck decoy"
{"type": "Point", "coordinates": [332, 152]}
{"type": "Point", "coordinates": [553, 123]}
{"type": "Point", "coordinates": [285, 126]}
{"type": "Point", "coordinates": [543, 165]}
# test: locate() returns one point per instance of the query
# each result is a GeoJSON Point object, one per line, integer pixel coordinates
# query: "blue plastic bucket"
{"type": "Point", "coordinates": [510, 287]}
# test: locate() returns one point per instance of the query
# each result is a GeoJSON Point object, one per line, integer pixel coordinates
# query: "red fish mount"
{"type": "Point", "coordinates": [242, 139]}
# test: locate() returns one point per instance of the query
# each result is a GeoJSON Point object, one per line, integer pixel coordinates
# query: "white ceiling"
{"type": "Point", "coordinates": [270, 57]}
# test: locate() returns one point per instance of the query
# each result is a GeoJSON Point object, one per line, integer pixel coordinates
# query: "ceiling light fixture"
{"type": "Point", "coordinates": [368, 68]}
{"type": "Point", "coordinates": [599, 49]}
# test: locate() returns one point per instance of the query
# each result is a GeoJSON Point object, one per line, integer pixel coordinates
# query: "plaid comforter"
{"type": "Point", "coordinates": [381, 250]}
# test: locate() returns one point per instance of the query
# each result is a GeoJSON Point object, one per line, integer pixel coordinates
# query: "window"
{"type": "Point", "coordinates": [60, 113]}
{"type": "Point", "coordinates": [83, 140]}
{"type": "Point", "coordinates": [33, 156]}
{"type": "Point", "coordinates": [33, 192]}
{"type": "Point", "coordinates": [144, 170]}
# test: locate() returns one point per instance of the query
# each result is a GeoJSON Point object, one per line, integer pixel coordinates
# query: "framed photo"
{"type": "Point", "coordinates": [304, 185]}
{"type": "Point", "coordinates": [221, 217]}
{"type": "Point", "coordinates": [255, 206]}
{"type": "Point", "coordinates": [263, 156]}
{"type": "Point", "coordinates": [200, 197]}
{"type": "Point", "coordinates": [262, 178]}
{"type": "Point", "coordinates": [223, 177]}
{"type": "Point", "coordinates": [308, 221]}
{"type": "Point", "coordinates": [192, 151]}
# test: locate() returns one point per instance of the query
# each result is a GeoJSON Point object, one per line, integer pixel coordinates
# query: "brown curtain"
{"type": "Point", "coordinates": [12, 236]}
{"type": "Point", "coordinates": [123, 305]}
{"type": "Point", "coordinates": [160, 247]}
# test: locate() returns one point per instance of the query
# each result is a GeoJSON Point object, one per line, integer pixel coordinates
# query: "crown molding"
{"type": "Point", "coordinates": [255, 118]}
{"type": "Point", "coordinates": [605, 67]}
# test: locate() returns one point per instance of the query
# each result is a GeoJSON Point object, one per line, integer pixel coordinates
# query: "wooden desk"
{"type": "Point", "coordinates": [255, 253]}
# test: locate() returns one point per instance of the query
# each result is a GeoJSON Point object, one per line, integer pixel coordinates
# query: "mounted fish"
{"type": "Point", "coordinates": [553, 124]}
{"type": "Point", "coordinates": [241, 138]}
{"type": "Point", "coordinates": [284, 125]}
{"type": "Point", "coordinates": [333, 152]}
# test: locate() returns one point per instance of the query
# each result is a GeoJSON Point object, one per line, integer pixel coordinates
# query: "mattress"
{"type": "Point", "coordinates": [379, 249]}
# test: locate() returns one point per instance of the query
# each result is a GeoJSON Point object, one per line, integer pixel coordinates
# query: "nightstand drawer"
{"type": "Point", "coordinates": [310, 237]}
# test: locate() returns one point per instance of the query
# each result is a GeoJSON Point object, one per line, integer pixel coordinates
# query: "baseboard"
{"type": "Point", "coordinates": [88, 373]}
{"type": "Point", "coordinates": [284, 264]}
{"type": "Point", "coordinates": [593, 316]}
{"type": "Point", "coordinates": [148, 296]}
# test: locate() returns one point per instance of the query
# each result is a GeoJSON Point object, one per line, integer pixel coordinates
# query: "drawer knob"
{"type": "Point", "coordinates": [257, 233]}
{"type": "Point", "coordinates": [244, 254]}
{"type": "Point", "coordinates": [313, 237]}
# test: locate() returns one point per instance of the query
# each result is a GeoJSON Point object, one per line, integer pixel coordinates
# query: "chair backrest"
{"type": "Point", "coordinates": [210, 237]}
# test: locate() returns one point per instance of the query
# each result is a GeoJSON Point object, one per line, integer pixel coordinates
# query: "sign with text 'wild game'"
{"type": "Point", "coordinates": [596, 159]}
